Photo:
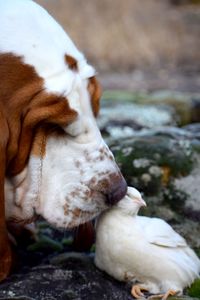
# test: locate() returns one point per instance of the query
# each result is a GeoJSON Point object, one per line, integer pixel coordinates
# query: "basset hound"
{"type": "Point", "coordinates": [53, 160]}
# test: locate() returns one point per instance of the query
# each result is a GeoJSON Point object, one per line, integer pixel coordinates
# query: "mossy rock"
{"type": "Point", "coordinates": [150, 162]}
{"type": "Point", "coordinates": [45, 243]}
{"type": "Point", "coordinates": [165, 167]}
{"type": "Point", "coordinates": [123, 118]}
{"type": "Point", "coordinates": [194, 290]}
{"type": "Point", "coordinates": [185, 105]}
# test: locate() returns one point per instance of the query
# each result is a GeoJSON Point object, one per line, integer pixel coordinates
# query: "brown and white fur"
{"type": "Point", "coordinates": [54, 162]}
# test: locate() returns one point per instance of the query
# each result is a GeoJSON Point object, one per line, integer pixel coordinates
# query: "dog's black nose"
{"type": "Point", "coordinates": [117, 192]}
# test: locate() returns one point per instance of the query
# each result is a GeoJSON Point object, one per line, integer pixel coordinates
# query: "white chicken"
{"type": "Point", "coordinates": [145, 251]}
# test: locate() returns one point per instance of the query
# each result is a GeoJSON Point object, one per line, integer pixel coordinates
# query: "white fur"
{"type": "Point", "coordinates": [42, 42]}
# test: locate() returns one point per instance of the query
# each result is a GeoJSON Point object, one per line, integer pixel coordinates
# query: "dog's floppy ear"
{"type": "Point", "coordinates": [94, 89]}
{"type": "Point", "coordinates": [84, 237]}
{"type": "Point", "coordinates": [5, 251]}
{"type": "Point", "coordinates": [43, 109]}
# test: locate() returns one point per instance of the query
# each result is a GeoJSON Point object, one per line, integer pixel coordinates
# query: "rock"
{"type": "Point", "coordinates": [193, 129]}
{"type": "Point", "coordinates": [194, 290]}
{"type": "Point", "coordinates": [123, 119]}
{"type": "Point", "coordinates": [196, 110]}
{"type": "Point", "coordinates": [72, 259]}
{"type": "Point", "coordinates": [135, 111]}
{"type": "Point", "coordinates": [149, 161]}
{"type": "Point", "coordinates": [182, 103]}
{"type": "Point", "coordinates": [72, 276]}
{"type": "Point", "coordinates": [76, 277]}
{"type": "Point", "coordinates": [16, 298]}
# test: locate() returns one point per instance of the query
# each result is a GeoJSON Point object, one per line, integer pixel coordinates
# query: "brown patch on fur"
{"type": "Point", "coordinates": [87, 155]}
{"type": "Point", "coordinates": [26, 107]}
{"type": "Point", "coordinates": [101, 150]}
{"type": "Point", "coordinates": [107, 184]}
{"type": "Point", "coordinates": [44, 109]}
{"type": "Point", "coordinates": [71, 62]}
{"type": "Point", "coordinates": [76, 213]}
{"type": "Point", "coordinates": [93, 181]}
{"type": "Point", "coordinates": [38, 147]}
{"type": "Point", "coordinates": [73, 194]}
{"type": "Point", "coordinates": [82, 172]}
{"type": "Point", "coordinates": [66, 209]}
{"type": "Point", "coordinates": [88, 193]}
{"type": "Point", "coordinates": [21, 222]}
{"type": "Point", "coordinates": [77, 164]}
{"type": "Point", "coordinates": [105, 153]}
{"type": "Point", "coordinates": [39, 143]}
{"type": "Point", "coordinates": [5, 251]}
{"type": "Point", "coordinates": [94, 89]}
{"type": "Point", "coordinates": [104, 185]}
{"type": "Point", "coordinates": [111, 157]}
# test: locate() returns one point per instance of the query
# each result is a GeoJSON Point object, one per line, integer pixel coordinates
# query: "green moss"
{"type": "Point", "coordinates": [119, 95]}
{"type": "Point", "coordinates": [45, 243]}
{"type": "Point", "coordinates": [42, 225]}
{"type": "Point", "coordinates": [194, 290]}
{"type": "Point", "coordinates": [69, 295]}
{"type": "Point", "coordinates": [182, 107]}
{"type": "Point", "coordinates": [92, 249]}
{"type": "Point", "coordinates": [197, 250]}
{"type": "Point", "coordinates": [151, 163]}
{"type": "Point", "coordinates": [181, 103]}
{"type": "Point", "coordinates": [174, 198]}
{"type": "Point", "coordinates": [160, 150]}
{"type": "Point", "coordinates": [195, 144]}
{"type": "Point", "coordinates": [67, 241]}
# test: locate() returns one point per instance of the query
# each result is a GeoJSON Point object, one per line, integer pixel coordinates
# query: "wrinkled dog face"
{"type": "Point", "coordinates": [73, 177]}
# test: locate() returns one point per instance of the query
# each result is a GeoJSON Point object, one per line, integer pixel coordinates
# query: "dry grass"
{"type": "Point", "coordinates": [116, 34]}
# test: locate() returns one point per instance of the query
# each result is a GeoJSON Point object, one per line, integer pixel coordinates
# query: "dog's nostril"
{"type": "Point", "coordinates": [117, 192]}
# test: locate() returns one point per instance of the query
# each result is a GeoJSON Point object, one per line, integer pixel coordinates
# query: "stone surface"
{"type": "Point", "coordinates": [70, 276]}
{"type": "Point", "coordinates": [73, 276]}
{"type": "Point", "coordinates": [146, 110]}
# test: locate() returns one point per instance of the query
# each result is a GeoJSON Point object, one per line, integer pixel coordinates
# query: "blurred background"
{"type": "Point", "coordinates": [122, 37]}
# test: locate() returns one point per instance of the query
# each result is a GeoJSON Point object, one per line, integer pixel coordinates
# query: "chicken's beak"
{"type": "Point", "coordinates": [143, 203]}
{"type": "Point", "coordinates": [140, 201]}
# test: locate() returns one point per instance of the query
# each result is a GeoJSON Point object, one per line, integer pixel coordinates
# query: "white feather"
{"type": "Point", "coordinates": [160, 233]}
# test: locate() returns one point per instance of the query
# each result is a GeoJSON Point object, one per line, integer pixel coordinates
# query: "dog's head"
{"type": "Point", "coordinates": [57, 163]}
{"type": "Point", "coordinates": [71, 175]}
